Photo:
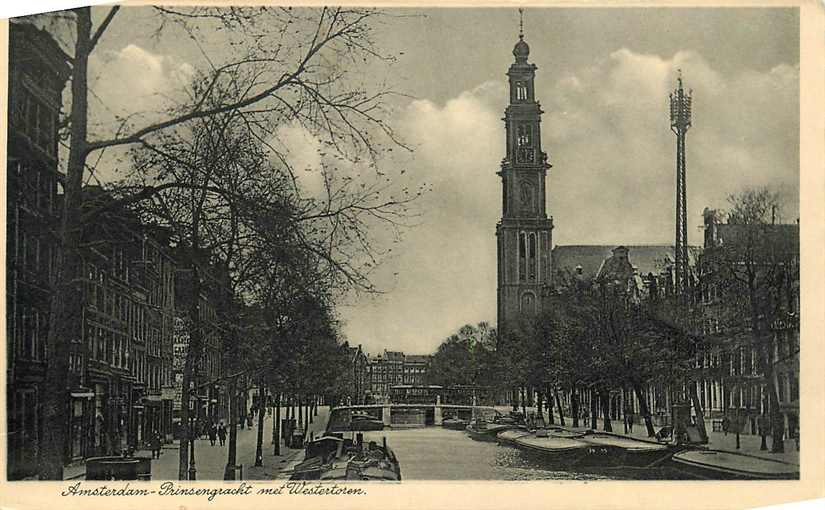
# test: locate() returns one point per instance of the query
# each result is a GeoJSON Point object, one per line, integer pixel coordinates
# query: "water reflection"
{"type": "Point", "coordinates": [434, 453]}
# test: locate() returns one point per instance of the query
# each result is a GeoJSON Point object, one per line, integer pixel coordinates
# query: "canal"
{"type": "Point", "coordinates": [435, 453]}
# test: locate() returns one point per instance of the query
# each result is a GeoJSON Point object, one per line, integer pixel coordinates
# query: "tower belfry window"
{"type": "Point", "coordinates": [525, 133]}
{"type": "Point", "coordinates": [531, 265]}
{"type": "Point", "coordinates": [522, 256]}
{"type": "Point", "coordinates": [521, 91]}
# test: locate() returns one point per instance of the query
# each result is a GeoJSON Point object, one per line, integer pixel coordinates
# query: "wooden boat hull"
{"type": "Point", "coordinates": [454, 424]}
{"type": "Point", "coordinates": [610, 450]}
{"type": "Point", "coordinates": [721, 465]}
{"type": "Point", "coordinates": [558, 450]}
{"type": "Point", "coordinates": [509, 436]}
{"type": "Point", "coordinates": [486, 434]}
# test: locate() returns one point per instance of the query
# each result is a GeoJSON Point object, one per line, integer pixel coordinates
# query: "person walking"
{"type": "Point", "coordinates": [156, 444]}
{"type": "Point", "coordinates": [213, 434]}
{"type": "Point", "coordinates": [222, 433]}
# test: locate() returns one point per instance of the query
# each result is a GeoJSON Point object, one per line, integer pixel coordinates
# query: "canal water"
{"type": "Point", "coordinates": [435, 453]}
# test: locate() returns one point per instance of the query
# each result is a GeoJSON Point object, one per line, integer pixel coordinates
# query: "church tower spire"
{"type": "Point", "coordinates": [524, 232]}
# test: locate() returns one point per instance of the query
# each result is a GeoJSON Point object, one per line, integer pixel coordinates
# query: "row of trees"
{"type": "Point", "coordinates": [612, 333]}
{"type": "Point", "coordinates": [209, 169]}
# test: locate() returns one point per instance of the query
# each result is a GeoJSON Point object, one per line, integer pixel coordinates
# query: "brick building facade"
{"type": "Point", "coordinates": [38, 71]}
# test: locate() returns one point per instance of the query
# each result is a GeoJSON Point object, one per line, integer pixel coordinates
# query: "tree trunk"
{"type": "Point", "coordinates": [66, 305]}
{"type": "Point", "coordinates": [594, 409]}
{"type": "Point", "coordinates": [524, 401]}
{"type": "Point", "coordinates": [604, 398]}
{"type": "Point", "coordinates": [697, 406]}
{"type": "Point", "coordinates": [274, 423]}
{"type": "Point", "coordinates": [539, 412]}
{"type": "Point", "coordinates": [232, 455]}
{"type": "Point", "coordinates": [559, 407]}
{"type": "Point", "coordinates": [574, 405]}
{"type": "Point", "coordinates": [777, 422]}
{"type": "Point", "coordinates": [259, 447]}
{"type": "Point", "coordinates": [277, 425]}
{"type": "Point", "coordinates": [637, 388]}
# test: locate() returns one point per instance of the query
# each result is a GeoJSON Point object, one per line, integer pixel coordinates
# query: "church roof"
{"type": "Point", "coordinates": [646, 258]}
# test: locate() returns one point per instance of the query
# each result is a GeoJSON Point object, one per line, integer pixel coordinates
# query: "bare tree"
{"type": "Point", "coordinates": [290, 64]}
{"type": "Point", "coordinates": [754, 270]}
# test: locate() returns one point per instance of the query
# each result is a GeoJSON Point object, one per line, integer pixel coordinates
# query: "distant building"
{"type": "Point", "coordinates": [211, 397]}
{"type": "Point", "coordinates": [129, 303]}
{"type": "Point", "coordinates": [415, 369]}
{"type": "Point", "coordinates": [392, 368]}
{"type": "Point", "coordinates": [38, 70]}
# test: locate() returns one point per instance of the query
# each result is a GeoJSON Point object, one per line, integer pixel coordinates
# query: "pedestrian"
{"type": "Point", "coordinates": [242, 422]}
{"type": "Point", "coordinates": [725, 425]}
{"type": "Point", "coordinates": [213, 434]}
{"type": "Point", "coordinates": [156, 445]}
{"type": "Point", "coordinates": [222, 433]}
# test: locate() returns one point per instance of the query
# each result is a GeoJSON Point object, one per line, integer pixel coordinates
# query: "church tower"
{"type": "Point", "coordinates": [524, 232]}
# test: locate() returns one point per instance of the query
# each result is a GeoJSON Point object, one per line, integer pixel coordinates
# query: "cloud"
{"type": "Point", "coordinates": [607, 131]}
{"type": "Point", "coordinates": [608, 135]}
{"type": "Point", "coordinates": [302, 152]}
{"type": "Point", "coordinates": [446, 265]}
{"type": "Point", "coordinates": [135, 80]}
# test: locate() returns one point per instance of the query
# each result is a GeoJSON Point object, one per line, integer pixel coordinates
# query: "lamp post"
{"type": "Point", "coordinates": [192, 435]}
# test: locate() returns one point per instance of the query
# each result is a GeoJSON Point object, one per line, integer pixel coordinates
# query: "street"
{"type": "Point", "coordinates": [210, 461]}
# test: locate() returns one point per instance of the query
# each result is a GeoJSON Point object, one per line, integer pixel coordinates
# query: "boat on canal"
{"type": "Point", "coordinates": [561, 450]}
{"type": "Point", "coordinates": [509, 436]}
{"type": "Point", "coordinates": [613, 450]}
{"type": "Point", "coordinates": [563, 432]}
{"type": "Point", "coordinates": [455, 423]}
{"type": "Point", "coordinates": [480, 429]}
{"type": "Point", "coordinates": [365, 421]}
{"type": "Point", "coordinates": [336, 458]}
{"type": "Point", "coordinates": [711, 464]}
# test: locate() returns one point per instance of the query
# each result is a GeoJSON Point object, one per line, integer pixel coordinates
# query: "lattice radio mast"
{"type": "Point", "coordinates": [680, 107]}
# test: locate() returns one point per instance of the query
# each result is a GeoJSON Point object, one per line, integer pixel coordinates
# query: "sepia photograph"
{"type": "Point", "coordinates": [341, 244]}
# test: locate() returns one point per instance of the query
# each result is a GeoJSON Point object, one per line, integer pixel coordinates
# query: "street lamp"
{"type": "Point", "coordinates": [192, 410]}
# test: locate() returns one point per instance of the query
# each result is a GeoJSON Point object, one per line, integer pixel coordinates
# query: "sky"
{"type": "Point", "coordinates": [603, 79]}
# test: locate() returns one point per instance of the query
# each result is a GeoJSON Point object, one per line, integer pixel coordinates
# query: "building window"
{"type": "Point", "coordinates": [522, 257]}
{"type": "Point", "coordinates": [528, 303]}
{"type": "Point", "coordinates": [532, 259]}
{"type": "Point", "coordinates": [504, 195]}
{"type": "Point", "coordinates": [40, 123]}
{"type": "Point", "coordinates": [521, 91]}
